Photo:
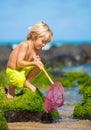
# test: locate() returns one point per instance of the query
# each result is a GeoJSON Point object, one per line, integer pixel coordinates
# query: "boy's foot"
{"type": "Point", "coordinates": [10, 96]}
{"type": "Point", "coordinates": [33, 88]}
{"type": "Point", "coordinates": [30, 86]}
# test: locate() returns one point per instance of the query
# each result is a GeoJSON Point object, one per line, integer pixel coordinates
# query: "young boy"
{"type": "Point", "coordinates": [24, 62]}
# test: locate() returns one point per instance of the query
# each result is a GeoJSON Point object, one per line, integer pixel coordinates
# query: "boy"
{"type": "Point", "coordinates": [24, 61]}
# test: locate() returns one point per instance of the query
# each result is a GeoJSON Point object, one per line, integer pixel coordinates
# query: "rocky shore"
{"type": "Point", "coordinates": [68, 55]}
{"type": "Point", "coordinates": [67, 122]}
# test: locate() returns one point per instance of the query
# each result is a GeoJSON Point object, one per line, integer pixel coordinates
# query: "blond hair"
{"type": "Point", "coordinates": [40, 30]}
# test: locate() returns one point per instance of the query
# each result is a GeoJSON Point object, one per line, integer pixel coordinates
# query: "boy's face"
{"type": "Point", "coordinates": [39, 43]}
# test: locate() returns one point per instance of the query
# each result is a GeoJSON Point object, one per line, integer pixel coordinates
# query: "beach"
{"type": "Point", "coordinates": [72, 125]}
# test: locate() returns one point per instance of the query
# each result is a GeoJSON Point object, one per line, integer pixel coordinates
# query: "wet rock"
{"type": "Point", "coordinates": [4, 55]}
{"type": "Point", "coordinates": [24, 116]}
{"type": "Point", "coordinates": [47, 118]}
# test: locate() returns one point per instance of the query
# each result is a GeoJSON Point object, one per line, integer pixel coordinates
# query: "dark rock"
{"type": "Point", "coordinates": [23, 116]}
{"type": "Point", "coordinates": [67, 55]}
{"type": "Point", "coordinates": [4, 55]}
{"type": "Point", "coordinates": [27, 116]}
{"type": "Point", "coordinates": [47, 118]}
{"type": "Point", "coordinates": [86, 49]}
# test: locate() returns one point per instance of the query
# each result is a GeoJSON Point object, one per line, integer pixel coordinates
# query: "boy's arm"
{"type": "Point", "coordinates": [21, 55]}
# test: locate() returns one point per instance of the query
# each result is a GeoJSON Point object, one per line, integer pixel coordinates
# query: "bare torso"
{"type": "Point", "coordinates": [28, 54]}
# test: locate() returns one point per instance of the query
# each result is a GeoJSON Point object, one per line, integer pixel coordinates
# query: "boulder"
{"type": "Point", "coordinates": [27, 106]}
{"type": "Point", "coordinates": [4, 55]}
{"type": "Point", "coordinates": [65, 55]}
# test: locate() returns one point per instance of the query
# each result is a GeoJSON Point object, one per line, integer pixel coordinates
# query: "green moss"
{"type": "Point", "coordinates": [28, 101]}
{"type": "Point", "coordinates": [83, 110]}
{"type": "Point", "coordinates": [87, 93]}
{"type": "Point", "coordinates": [73, 79]}
{"type": "Point", "coordinates": [86, 85]}
{"type": "Point", "coordinates": [55, 114]}
{"type": "Point", "coordinates": [3, 123]}
{"type": "Point", "coordinates": [81, 89]}
{"type": "Point", "coordinates": [67, 82]}
{"type": "Point", "coordinates": [80, 77]}
{"type": "Point", "coordinates": [3, 79]}
{"type": "Point", "coordinates": [87, 82]}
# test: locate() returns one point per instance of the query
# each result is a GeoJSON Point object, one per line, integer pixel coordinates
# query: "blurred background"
{"type": "Point", "coordinates": [69, 51]}
{"type": "Point", "coordinates": [69, 21]}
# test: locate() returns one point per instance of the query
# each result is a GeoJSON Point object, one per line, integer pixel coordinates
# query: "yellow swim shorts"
{"type": "Point", "coordinates": [18, 77]}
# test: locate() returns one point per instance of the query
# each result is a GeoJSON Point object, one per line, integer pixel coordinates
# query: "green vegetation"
{"type": "Point", "coordinates": [3, 123]}
{"type": "Point", "coordinates": [26, 100]}
{"type": "Point", "coordinates": [83, 109]}
{"type": "Point", "coordinates": [34, 102]}
{"type": "Point", "coordinates": [69, 79]}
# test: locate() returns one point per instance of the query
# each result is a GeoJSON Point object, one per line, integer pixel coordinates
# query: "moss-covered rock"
{"type": "Point", "coordinates": [67, 82]}
{"type": "Point", "coordinates": [85, 85]}
{"type": "Point", "coordinates": [3, 123]}
{"type": "Point", "coordinates": [26, 102]}
{"type": "Point", "coordinates": [87, 93]}
{"type": "Point", "coordinates": [80, 77]}
{"type": "Point", "coordinates": [83, 109]}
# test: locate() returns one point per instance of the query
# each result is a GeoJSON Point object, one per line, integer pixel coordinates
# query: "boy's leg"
{"type": "Point", "coordinates": [30, 76]}
{"type": "Point", "coordinates": [11, 92]}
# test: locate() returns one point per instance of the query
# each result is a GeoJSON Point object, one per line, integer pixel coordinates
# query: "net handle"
{"type": "Point", "coordinates": [47, 75]}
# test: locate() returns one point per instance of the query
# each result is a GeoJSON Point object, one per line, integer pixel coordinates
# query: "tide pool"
{"type": "Point", "coordinates": [80, 68]}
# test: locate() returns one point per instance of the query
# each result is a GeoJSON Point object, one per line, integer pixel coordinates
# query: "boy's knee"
{"type": "Point", "coordinates": [37, 69]}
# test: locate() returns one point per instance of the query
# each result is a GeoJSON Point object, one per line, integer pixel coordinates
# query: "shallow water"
{"type": "Point", "coordinates": [80, 68]}
{"type": "Point", "coordinates": [71, 98]}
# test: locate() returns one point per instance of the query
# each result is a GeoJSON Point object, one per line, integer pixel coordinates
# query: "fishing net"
{"type": "Point", "coordinates": [54, 97]}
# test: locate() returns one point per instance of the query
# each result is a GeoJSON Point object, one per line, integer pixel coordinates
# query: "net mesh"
{"type": "Point", "coordinates": [54, 97]}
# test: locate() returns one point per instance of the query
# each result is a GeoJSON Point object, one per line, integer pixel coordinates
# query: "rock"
{"type": "Point", "coordinates": [24, 116]}
{"type": "Point", "coordinates": [47, 118]}
{"type": "Point", "coordinates": [86, 49]}
{"type": "Point", "coordinates": [4, 55]}
{"type": "Point", "coordinates": [28, 106]}
{"type": "Point", "coordinates": [67, 55]}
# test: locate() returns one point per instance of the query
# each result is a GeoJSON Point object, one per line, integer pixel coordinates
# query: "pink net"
{"type": "Point", "coordinates": [54, 97]}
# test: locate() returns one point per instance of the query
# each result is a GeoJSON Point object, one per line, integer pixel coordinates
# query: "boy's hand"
{"type": "Point", "coordinates": [38, 63]}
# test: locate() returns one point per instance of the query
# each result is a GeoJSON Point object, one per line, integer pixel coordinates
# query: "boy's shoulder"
{"type": "Point", "coordinates": [24, 43]}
